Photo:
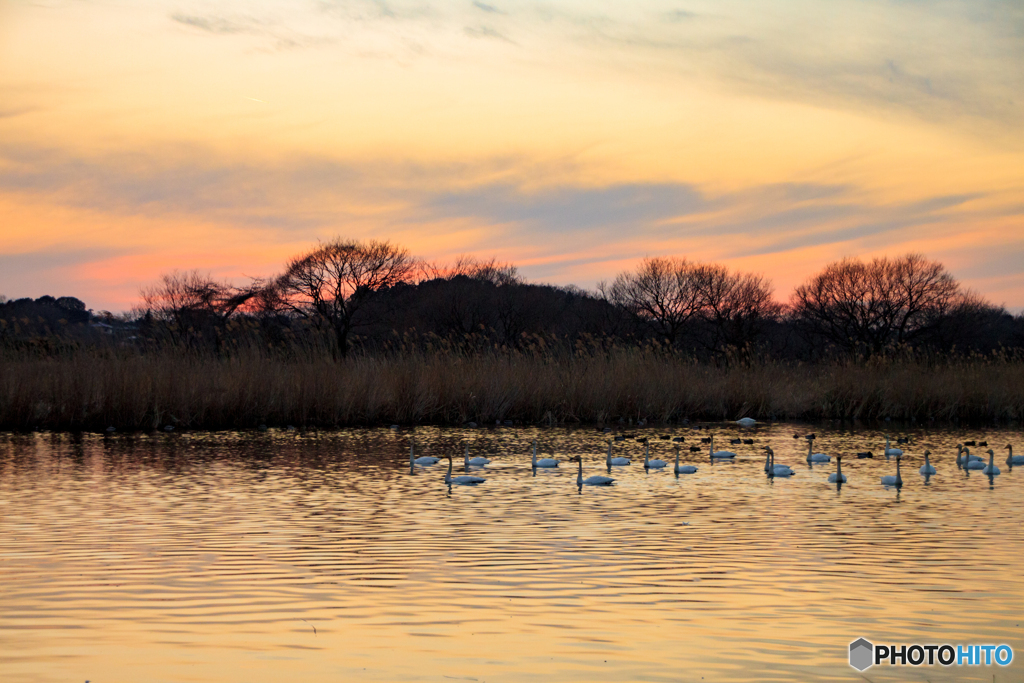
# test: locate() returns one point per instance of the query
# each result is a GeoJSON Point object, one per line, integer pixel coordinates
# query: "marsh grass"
{"type": "Point", "coordinates": [89, 390]}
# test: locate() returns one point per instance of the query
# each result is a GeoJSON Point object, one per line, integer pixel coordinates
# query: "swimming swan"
{"type": "Point", "coordinates": [718, 454]}
{"type": "Point", "coordinates": [461, 480]}
{"type": "Point", "coordinates": [746, 422]}
{"type": "Point", "coordinates": [774, 470]}
{"type": "Point", "coordinates": [543, 462]}
{"type": "Point", "coordinates": [423, 459]}
{"type": "Point", "coordinates": [889, 451]}
{"type": "Point", "coordinates": [927, 467]}
{"type": "Point", "coordinates": [780, 470]}
{"type": "Point", "coordinates": [991, 467]}
{"type": "Point", "coordinates": [973, 462]}
{"type": "Point", "coordinates": [617, 461]}
{"type": "Point", "coordinates": [890, 480]}
{"type": "Point", "coordinates": [648, 463]}
{"type": "Point", "coordinates": [815, 457]}
{"type": "Point", "coordinates": [683, 469]}
{"type": "Point", "coordinates": [1012, 459]}
{"type": "Point", "coordinates": [967, 457]}
{"type": "Point", "coordinates": [475, 462]}
{"type": "Point", "coordinates": [838, 477]}
{"type": "Point", "coordinates": [596, 480]}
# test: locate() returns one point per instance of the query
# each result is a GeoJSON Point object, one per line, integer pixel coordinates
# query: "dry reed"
{"type": "Point", "coordinates": [89, 391]}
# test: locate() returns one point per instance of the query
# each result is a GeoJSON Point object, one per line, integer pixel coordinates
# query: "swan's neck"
{"type": "Point", "coordinates": [839, 467]}
{"type": "Point", "coordinates": [677, 457]}
{"type": "Point", "coordinates": [466, 456]}
{"type": "Point", "coordinates": [711, 446]}
{"type": "Point", "coordinates": [810, 445]}
{"type": "Point", "coordinates": [448, 476]}
{"type": "Point", "coordinates": [412, 456]}
{"type": "Point", "coordinates": [647, 455]}
{"type": "Point", "coordinates": [579, 475]}
{"type": "Point", "coordinates": [534, 454]}
{"type": "Point", "coordinates": [609, 458]}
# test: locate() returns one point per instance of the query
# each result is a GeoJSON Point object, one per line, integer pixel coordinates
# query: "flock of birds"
{"type": "Point", "coordinates": [964, 460]}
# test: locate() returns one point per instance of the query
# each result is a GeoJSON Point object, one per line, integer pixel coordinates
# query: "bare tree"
{"type": "Point", "coordinates": [705, 303]}
{"type": "Point", "coordinates": [871, 307]}
{"type": "Point", "coordinates": [735, 306]}
{"type": "Point", "coordinates": [188, 302]}
{"type": "Point", "coordinates": [333, 283]}
{"type": "Point", "coordinates": [662, 293]}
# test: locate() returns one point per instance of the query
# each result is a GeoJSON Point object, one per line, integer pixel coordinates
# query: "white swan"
{"type": "Point", "coordinates": [617, 461]}
{"type": "Point", "coordinates": [838, 477]}
{"type": "Point", "coordinates": [543, 462]}
{"type": "Point", "coordinates": [719, 454]}
{"type": "Point", "coordinates": [991, 467]}
{"type": "Point", "coordinates": [890, 480]}
{"type": "Point", "coordinates": [973, 462]}
{"type": "Point", "coordinates": [683, 469]}
{"type": "Point", "coordinates": [461, 480]}
{"type": "Point", "coordinates": [596, 480]}
{"type": "Point", "coordinates": [815, 457]}
{"type": "Point", "coordinates": [1012, 459]}
{"type": "Point", "coordinates": [774, 470]}
{"type": "Point", "coordinates": [927, 468]}
{"type": "Point", "coordinates": [891, 452]}
{"type": "Point", "coordinates": [423, 459]}
{"type": "Point", "coordinates": [746, 422]}
{"type": "Point", "coordinates": [475, 462]}
{"type": "Point", "coordinates": [962, 460]}
{"type": "Point", "coordinates": [648, 463]}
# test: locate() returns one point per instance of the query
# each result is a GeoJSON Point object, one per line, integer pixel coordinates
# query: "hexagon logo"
{"type": "Point", "coordinates": [862, 654]}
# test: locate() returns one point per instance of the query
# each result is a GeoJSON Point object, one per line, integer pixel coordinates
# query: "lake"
{"type": "Point", "coordinates": [272, 556]}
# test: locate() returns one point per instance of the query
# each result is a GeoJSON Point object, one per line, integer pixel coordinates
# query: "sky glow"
{"type": "Point", "coordinates": [571, 138]}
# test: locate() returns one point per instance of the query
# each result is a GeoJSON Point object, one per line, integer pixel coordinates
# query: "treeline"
{"type": "Point", "coordinates": [374, 297]}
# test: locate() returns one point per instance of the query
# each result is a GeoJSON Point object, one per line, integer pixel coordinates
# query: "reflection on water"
{"type": "Point", "coordinates": [319, 557]}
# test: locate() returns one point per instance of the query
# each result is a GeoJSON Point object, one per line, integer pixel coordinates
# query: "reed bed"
{"type": "Point", "coordinates": [142, 391]}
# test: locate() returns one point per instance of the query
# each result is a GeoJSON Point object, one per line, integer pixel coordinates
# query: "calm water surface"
{"type": "Point", "coordinates": [319, 557]}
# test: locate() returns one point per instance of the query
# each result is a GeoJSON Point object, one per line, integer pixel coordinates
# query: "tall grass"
{"type": "Point", "coordinates": [89, 390]}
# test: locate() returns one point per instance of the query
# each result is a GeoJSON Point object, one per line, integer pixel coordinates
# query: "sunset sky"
{"type": "Point", "coordinates": [571, 138]}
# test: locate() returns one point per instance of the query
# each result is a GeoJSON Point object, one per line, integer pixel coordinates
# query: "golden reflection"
{"type": "Point", "coordinates": [320, 556]}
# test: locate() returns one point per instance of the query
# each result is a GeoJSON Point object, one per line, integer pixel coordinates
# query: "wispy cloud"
{"type": "Point", "coordinates": [11, 112]}
{"type": "Point", "coordinates": [280, 35]}
{"type": "Point", "coordinates": [956, 62]}
{"type": "Point", "coordinates": [548, 226]}
{"type": "Point", "coordinates": [486, 32]}
{"type": "Point", "coordinates": [216, 24]}
{"type": "Point", "coordinates": [483, 6]}
{"type": "Point", "coordinates": [679, 15]}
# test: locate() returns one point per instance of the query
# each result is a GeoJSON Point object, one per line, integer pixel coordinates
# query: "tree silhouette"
{"type": "Point", "coordinates": [886, 303]}
{"type": "Point", "coordinates": [334, 282]}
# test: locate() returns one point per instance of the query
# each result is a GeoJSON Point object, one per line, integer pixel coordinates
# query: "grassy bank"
{"type": "Point", "coordinates": [144, 391]}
